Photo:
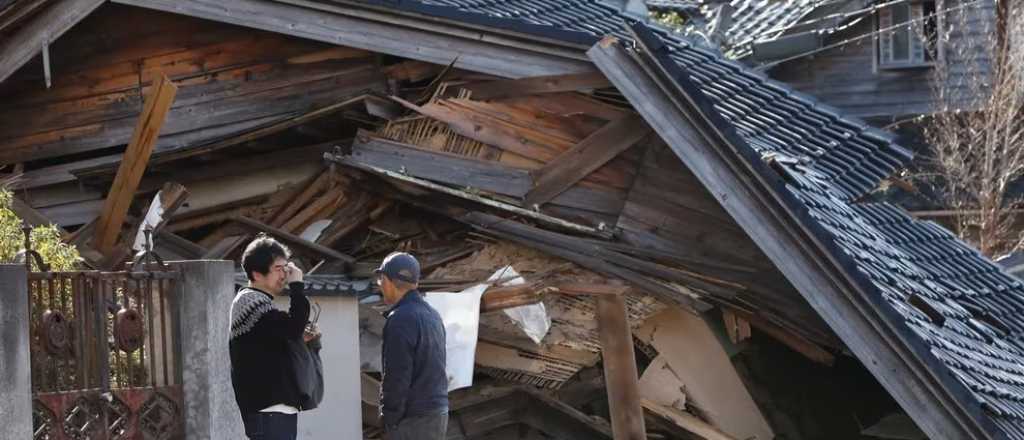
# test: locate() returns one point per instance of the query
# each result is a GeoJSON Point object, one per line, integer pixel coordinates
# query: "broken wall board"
{"type": "Point", "coordinates": [487, 176]}
{"type": "Point", "coordinates": [133, 165]}
{"type": "Point", "coordinates": [688, 345]}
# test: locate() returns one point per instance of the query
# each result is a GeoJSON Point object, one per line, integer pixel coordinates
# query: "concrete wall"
{"type": "Point", "coordinates": [15, 376]}
{"type": "Point", "coordinates": [340, 414]}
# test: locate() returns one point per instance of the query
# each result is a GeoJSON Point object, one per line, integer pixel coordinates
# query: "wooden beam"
{"type": "Point", "coordinates": [133, 165]}
{"type": "Point", "coordinates": [536, 85]}
{"type": "Point", "coordinates": [42, 30]}
{"type": "Point", "coordinates": [294, 240]}
{"type": "Point", "coordinates": [743, 185]}
{"type": "Point", "coordinates": [584, 158]}
{"type": "Point", "coordinates": [620, 369]}
{"type": "Point", "coordinates": [686, 421]}
{"type": "Point", "coordinates": [501, 298]}
{"type": "Point", "coordinates": [415, 38]}
{"type": "Point", "coordinates": [259, 132]}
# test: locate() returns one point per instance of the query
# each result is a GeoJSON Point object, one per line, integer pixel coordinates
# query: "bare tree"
{"type": "Point", "coordinates": [976, 135]}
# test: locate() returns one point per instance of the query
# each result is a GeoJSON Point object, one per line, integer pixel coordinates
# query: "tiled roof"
{"type": "Point", "coordinates": [959, 310]}
{"type": "Point", "coordinates": [328, 285]}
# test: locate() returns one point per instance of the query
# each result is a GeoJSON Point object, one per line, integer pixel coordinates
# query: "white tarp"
{"type": "Point", "coordinates": [461, 315]}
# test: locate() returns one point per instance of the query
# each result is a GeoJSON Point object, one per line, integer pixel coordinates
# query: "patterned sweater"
{"type": "Point", "coordinates": [261, 371]}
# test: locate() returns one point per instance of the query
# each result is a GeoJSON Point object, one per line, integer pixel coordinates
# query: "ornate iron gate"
{"type": "Point", "coordinates": [105, 356]}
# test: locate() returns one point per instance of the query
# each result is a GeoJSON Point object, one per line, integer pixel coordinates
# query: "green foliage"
{"type": "Point", "coordinates": [45, 239]}
{"type": "Point", "coordinates": [671, 19]}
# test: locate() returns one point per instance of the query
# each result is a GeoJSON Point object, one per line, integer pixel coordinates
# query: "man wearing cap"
{"type": "Point", "coordinates": [414, 389]}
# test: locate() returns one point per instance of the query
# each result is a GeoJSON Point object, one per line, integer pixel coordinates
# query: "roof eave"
{"type": "Point", "coordinates": [472, 42]}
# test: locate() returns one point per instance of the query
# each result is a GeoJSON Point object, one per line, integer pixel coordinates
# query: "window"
{"type": "Point", "coordinates": [914, 43]}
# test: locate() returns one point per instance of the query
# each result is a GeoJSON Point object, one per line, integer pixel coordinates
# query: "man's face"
{"type": "Point", "coordinates": [274, 281]}
{"type": "Point", "coordinates": [387, 289]}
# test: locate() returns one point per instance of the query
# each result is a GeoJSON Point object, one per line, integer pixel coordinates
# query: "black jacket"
{"type": "Point", "coordinates": [413, 353]}
{"type": "Point", "coordinates": [261, 370]}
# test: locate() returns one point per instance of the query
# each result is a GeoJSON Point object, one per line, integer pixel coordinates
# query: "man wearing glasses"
{"type": "Point", "coordinates": [414, 388]}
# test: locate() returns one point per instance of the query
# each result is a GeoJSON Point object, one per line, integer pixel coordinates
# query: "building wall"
{"type": "Point", "coordinates": [340, 414]}
{"type": "Point", "coordinates": [847, 77]}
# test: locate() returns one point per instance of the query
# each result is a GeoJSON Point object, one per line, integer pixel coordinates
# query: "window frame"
{"type": "Point", "coordinates": [883, 55]}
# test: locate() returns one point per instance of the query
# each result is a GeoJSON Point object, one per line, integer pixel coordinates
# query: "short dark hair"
{"type": "Point", "coordinates": [260, 254]}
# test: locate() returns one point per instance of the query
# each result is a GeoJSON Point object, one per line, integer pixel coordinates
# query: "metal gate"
{"type": "Point", "coordinates": [104, 353]}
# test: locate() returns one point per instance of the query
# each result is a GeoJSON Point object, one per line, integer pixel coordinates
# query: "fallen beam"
{"type": "Point", "coordinates": [537, 85]}
{"type": "Point", "coordinates": [620, 374]}
{"type": "Point", "coordinates": [133, 165]}
{"type": "Point", "coordinates": [294, 240]}
{"type": "Point", "coordinates": [570, 167]}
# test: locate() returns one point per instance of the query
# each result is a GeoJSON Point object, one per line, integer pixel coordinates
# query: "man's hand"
{"type": "Point", "coordinates": [292, 273]}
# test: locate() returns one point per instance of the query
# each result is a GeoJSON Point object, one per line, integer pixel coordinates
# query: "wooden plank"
{"type": "Point", "coordinates": [133, 165]}
{"type": "Point", "coordinates": [686, 421]}
{"type": "Point", "coordinates": [288, 210]}
{"type": "Point", "coordinates": [30, 216]}
{"type": "Point", "coordinates": [584, 158]}
{"type": "Point", "coordinates": [690, 348]}
{"type": "Point", "coordinates": [591, 289]}
{"type": "Point", "coordinates": [417, 39]}
{"type": "Point", "coordinates": [43, 29]}
{"type": "Point", "coordinates": [620, 374]}
{"type": "Point", "coordinates": [536, 85]}
{"type": "Point", "coordinates": [316, 210]}
{"type": "Point", "coordinates": [294, 240]}
{"type": "Point", "coordinates": [739, 185]}
{"type": "Point", "coordinates": [260, 132]}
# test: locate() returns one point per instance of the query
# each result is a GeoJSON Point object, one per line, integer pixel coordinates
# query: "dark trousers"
{"type": "Point", "coordinates": [270, 426]}
{"type": "Point", "coordinates": [434, 427]}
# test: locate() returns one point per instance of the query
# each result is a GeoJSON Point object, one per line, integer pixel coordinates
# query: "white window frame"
{"type": "Point", "coordinates": [917, 53]}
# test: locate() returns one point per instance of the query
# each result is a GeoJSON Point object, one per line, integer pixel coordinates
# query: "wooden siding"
{"type": "Point", "coordinates": [231, 79]}
{"type": "Point", "coordinates": [846, 77]}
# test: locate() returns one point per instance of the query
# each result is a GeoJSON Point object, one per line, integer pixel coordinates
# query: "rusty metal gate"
{"type": "Point", "coordinates": [104, 351]}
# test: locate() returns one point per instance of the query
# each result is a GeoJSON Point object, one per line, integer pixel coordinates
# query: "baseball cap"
{"type": "Point", "coordinates": [400, 266]}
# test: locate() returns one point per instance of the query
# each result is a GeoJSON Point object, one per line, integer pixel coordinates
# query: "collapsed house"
{"type": "Point", "coordinates": [633, 179]}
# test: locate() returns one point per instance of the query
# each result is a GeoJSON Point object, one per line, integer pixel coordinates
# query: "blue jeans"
{"type": "Point", "coordinates": [270, 426]}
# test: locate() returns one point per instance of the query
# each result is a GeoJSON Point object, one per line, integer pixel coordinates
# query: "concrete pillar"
{"type": "Point", "coordinates": [203, 302]}
{"type": "Point", "coordinates": [15, 373]}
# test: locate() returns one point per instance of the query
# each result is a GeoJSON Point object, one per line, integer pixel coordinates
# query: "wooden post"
{"type": "Point", "coordinates": [620, 373]}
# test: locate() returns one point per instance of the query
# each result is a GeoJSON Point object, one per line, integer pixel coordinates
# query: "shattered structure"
{"type": "Point", "coordinates": [692, 228]}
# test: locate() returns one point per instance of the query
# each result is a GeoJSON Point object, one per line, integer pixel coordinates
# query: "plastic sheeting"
{"type": "Point", "coordinates": [460, 312]}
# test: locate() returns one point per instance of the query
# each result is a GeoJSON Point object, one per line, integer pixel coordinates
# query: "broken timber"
{"type": "Point", "coordinates": [294, 240]}
{"type": "Point", "coordinates": [584, 158]}
{"type": "Point", "coordinates": [620, 374]}
{"type": "Point", "coordinates": [133, 164]}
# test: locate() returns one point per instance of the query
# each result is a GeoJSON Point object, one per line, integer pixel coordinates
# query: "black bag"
{"type": "Point", "coordinates": [308, 372]}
